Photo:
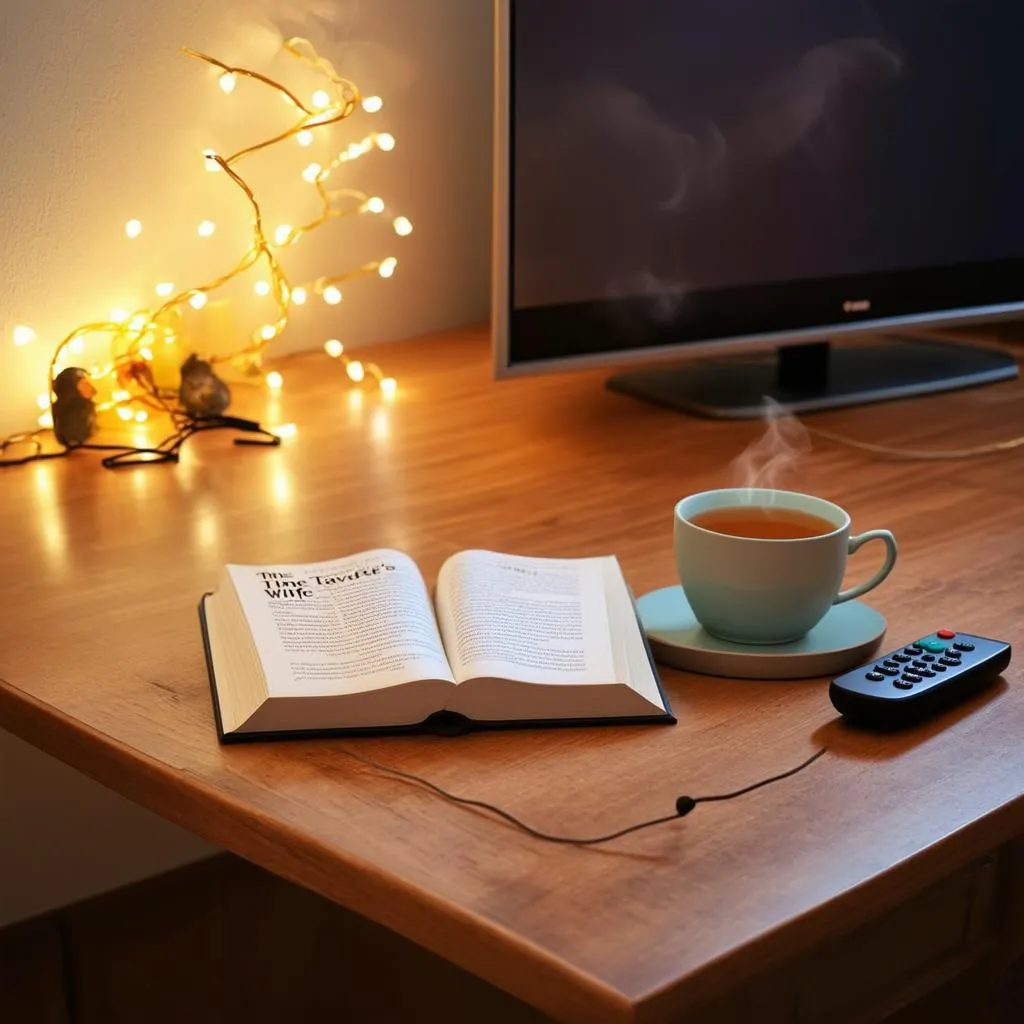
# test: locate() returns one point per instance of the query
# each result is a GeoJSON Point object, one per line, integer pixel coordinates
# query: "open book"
{"type": "Point", "coordinates": [357, 643]}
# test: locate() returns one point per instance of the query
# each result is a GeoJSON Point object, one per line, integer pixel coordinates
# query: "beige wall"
{"type": "Point", "coordinates": [104, 120]}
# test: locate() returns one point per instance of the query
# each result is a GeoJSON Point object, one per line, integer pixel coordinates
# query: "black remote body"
{"type": "Point", "coordinates": [918, 680]}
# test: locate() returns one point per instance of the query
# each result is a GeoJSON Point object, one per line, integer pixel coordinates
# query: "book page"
{"type": "Point", "coordinates": [535, 620]}
{"type": "Point", "coordinates": [343, 626]}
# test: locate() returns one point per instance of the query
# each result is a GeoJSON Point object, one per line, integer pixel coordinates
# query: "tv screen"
{"type": "Point", "coordinates": [685, 171]}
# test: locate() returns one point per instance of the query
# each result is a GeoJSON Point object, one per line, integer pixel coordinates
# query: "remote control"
{"type": "Point", "coordinates": [918, 680]}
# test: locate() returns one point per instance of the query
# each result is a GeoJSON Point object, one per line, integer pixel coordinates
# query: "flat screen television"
{"type": "Point", "coordinates": [802, 186]}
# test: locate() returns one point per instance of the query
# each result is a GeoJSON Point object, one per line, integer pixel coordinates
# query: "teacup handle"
{"type": "Point", "coordinates": [890, 561]}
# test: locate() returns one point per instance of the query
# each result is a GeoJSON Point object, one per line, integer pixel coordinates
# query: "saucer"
{"type": "Point", "coordinates": [848, 635]}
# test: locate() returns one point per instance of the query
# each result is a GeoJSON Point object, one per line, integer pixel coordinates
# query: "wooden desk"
{"type": "Point", "coordinates": [898, 843]}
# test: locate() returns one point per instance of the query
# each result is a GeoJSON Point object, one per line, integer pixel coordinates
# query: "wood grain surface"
{"type": "Point", "coordinates": [102, 666]}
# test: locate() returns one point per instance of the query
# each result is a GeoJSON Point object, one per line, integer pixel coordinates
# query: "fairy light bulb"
{"type": "Point", "coordinates": [268, 332]}
{"type": "Point", "coordinates": [119, 316]}
{"type": "Point", "coordinates": [138, 322]}
{"type": "Point", "coordinates": [147, 354]}
{"type": "Point", "coordinates": [120, 395]}
{"type": "Point", "coordinates": [333, 348]}
{"type": "Point", "coordinates": [22, 335]}
{"type": "Point", "coordinates": [45, 420]}
{"type": "Point", "coordinates": [43, 401]}
{"type": "Point", "coordinates": [321, 100]}
{"type": "Point", "coordinates": [77, 346]}
{"type": "Point", "coordinates": [312, 172]}
{"type": "Point", "coordinates": [386, 142]}
{"type": "Point", "coordinates": [124, 414]}
{"type": "Point", "coordinates": [305, 137]}
{"type": "Point", "coordinates": [356, 371]}
{"type": "Point", "coordinates": [206, 228]}
{"type": "Point", "coordinates": [332, 295]}
{"type": "Point", "coordinates": [374, 204]}
{"type": "Point", "coordinates": [227, 83]}
{"type": "Point", "coordinates": [210, 160]}
{"type": "Point", "coordinates": [141, 416]}
{"type": "Point", "coordinates": [133, 228]}
{"type": "Point", "coordinates": [387, 267]}
{"type": "Point", "coordinates": [299, 296]}
{"type": "Point", "coordinates": [198, 300]}
{"type": "Point", "coordinates": [164, 289]}
{"type": "Point", "coordinates": [274, 380]}
{"type": "Point", "coordinates": [261, 288]}
{"type": "Point", "coordinates": [403, 226]}
{"type": "Point", "coordinates": [389, 386]}
{"type": "Point", "coordinates": [373, 104]}
{"type": "Point", "coordinates": [282, 234]}
{"type": "Point", "coordinates": [285, 430]}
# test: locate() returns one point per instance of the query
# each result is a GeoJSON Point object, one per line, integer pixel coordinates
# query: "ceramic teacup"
{"type": "Point", "coordinates": [760, 589]}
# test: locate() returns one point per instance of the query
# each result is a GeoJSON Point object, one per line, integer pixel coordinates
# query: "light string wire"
{"type": "Point", "coordinates": [167, 450]}
{"type": "Point", "coordinates": [919, 455]}
{"type": "Point", "coordinates": [133, 335]}
{"type": "Point", "coordinates": [684, 804]}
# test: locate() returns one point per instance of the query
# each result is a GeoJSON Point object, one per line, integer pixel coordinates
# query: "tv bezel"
{"type": "Point", "coordinates": [914, 300]}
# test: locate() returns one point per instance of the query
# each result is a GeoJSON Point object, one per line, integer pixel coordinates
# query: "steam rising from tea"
{"type": "Point", "coordinates": [771, 462]}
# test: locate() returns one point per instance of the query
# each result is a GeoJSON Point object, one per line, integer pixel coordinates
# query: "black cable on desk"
{"type": "Point", "coordinates": [684, 804]}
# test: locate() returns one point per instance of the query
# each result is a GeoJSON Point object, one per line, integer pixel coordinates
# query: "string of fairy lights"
{"type": "Point", "coordinates": [125, 383]}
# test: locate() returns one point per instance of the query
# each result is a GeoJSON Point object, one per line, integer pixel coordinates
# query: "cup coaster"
{"type": "Point", "coordinates": [847, 636]}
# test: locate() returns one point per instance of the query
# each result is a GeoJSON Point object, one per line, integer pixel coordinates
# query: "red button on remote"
{"type": "Point", "coordinates": [945, 634]}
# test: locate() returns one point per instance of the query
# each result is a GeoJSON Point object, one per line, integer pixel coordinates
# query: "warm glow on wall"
{"type": "Point", "coordinates": [143, 346]}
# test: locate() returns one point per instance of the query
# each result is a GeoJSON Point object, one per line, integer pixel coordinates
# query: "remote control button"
{"type": "Point", "coordinates": [913, 651]}
{"type": "Point", "coordinates": [951, 662]}
{"type": "Point", "coordinates": [888, 671]}
{"type": "Point", "coordinates": [945, 634]}
{"type": "Point", "coordinates": [875, 677]}
{"type": "Point", "coordinates": [935, 646]}
{"type": "Point", "coordinates": [926, 672]}
{"type": "Point", "coordinates": [901, 658]}
{"type": "Point", "coordinates": [910, 677]}
{"type": "Point", "coordinates": [927, 657]}
{"type": "Point", "coordinates": [889, 663]}
{"type": "Point", "coordinates": [918, 666]}
{"type": "Point", "coordinates": [938, 668]}
{"type": "Point", "coordinates": [902, 684]}
{"type": "Point", "coordinates": [962, 645]}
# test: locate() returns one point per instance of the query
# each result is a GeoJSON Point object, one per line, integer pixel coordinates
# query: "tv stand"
{"type": "Point", "coordinates": [816, 376]}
